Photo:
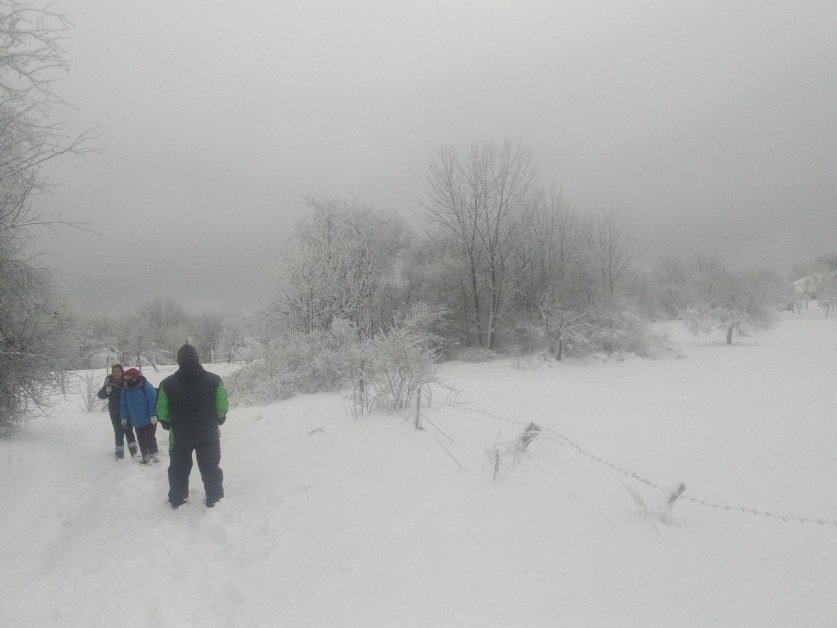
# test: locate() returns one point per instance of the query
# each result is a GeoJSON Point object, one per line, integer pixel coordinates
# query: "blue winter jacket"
{"type": "Point", "coordinates": [138, 404]}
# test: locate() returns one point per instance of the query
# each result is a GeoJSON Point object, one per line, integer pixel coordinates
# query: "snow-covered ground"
{"type": "Point", "coordinates": [331, 521]}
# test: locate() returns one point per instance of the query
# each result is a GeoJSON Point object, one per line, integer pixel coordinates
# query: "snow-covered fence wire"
{"type": "Point", "coordinates": [638, 478]}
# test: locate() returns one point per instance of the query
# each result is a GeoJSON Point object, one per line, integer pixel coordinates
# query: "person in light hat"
{"type": "Point", "coordinates": [138, 405]}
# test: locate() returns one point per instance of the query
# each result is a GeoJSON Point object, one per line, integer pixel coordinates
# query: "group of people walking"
{"type": "Point", "coordinates": [190, 404]}
{"type": "Point", "coordinates": [132, 404]}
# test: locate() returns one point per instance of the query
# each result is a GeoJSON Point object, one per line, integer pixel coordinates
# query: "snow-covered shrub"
{"type": "Point", "coordinates": [246, 349]}
{"type": "Point", "coordinates": [505, 455]}
{"type": "Point", "coordinates": [307, 362]}
{"type": "Point", "coordinates": [251, 385]}
{"type": "Point", "coordinates": [100, 357]}
{"type": "Point", "coordinates": [401, 361]}
{"type": "Point", "coordinates": [88, 385]}
{"type": "Point", "coordinates": [525, 337]}
{"type": "Point", "coordinates": [385, 370]}
{"type": "Point", "coordinates": [628, 333]}
{"type": "Point", "coordinates": [474, 354]}
{"type": "Point", "coordinates": [298, 362]}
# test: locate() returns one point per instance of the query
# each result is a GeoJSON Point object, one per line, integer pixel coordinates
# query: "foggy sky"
{"type": "Point", "coordinates": [712, 126]}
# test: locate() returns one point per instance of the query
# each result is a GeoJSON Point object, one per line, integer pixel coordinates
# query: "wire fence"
{"type": "Point", "coordinates": [633, 474]}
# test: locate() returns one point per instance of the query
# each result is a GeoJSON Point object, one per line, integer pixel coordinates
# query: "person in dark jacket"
{"type": "Point", "coordinates": [138, 403]}
{"type": "Point", "coordinates": [191, 404]}
{"type": "Point", "coordinates": [111, 391]}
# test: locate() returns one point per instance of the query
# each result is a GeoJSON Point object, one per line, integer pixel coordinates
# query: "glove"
{"type": "Point", "coordinates": [222, 419]}
{"type": "Point", "coordinates": [108, 388]}
{"type": "Point", "coordinates": [124, 424]}
{"type": "Point", "coordinates": [154, 420]}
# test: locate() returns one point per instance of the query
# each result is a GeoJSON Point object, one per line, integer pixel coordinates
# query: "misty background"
{"type": "Point", "coordinates": [711, 127]}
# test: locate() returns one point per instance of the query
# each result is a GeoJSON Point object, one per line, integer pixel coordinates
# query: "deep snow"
{"type": "Point", "coordinates": [331, 521]}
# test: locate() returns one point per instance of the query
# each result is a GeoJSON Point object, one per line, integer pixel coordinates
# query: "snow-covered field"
{"type": "Point", "coordinates": [331, 521]}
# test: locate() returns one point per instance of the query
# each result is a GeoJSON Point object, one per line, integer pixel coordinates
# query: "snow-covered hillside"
{"type": "Point", "coordinates": [331, 521]}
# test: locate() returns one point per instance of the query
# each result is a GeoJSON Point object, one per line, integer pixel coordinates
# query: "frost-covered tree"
{"type": "Point", "coordinates": [336, 268]}
{"type": "Point", "coordinates": [672, 277]}
{"type": "Point", "coordinates": [743, 302]}
{"type": "Point", "coordinates": [206, 331]}
{"type": "Point", "coordinates": [612, 251]}
{"type": "Point", "coordinates": [431, 272]}
{"type": "Point", "coordinates": [35, 328]}
{"type": "Point", "coordinates": [160, 327]}
{"type": "Point", "coordinates": [481, 203]}
{"type": "Point", "coordinates": [36, 341]}
{"type": "Point", "coordinates": [553, 277]}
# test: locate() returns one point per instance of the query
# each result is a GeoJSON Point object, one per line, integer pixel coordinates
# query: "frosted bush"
{"type": "Point", "coordinates": [398, 363]}
{"type": "Point", "coordinates": [628, 333]}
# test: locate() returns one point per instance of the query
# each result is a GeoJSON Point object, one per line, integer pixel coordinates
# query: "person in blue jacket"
{"type": "Point", "coordinates": [138, 405]}
{"type": "Point", "coordinates": [112, 391]}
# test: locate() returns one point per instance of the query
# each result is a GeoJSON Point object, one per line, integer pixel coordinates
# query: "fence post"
{"type": "Point", "coordinates": [418, 409]}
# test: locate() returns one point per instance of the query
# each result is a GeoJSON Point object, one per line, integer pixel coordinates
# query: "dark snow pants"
{"type": "Point", "coordinates": [180, 466]}
{"type": "Point", "coordinates": [147, 438]}
{"type": "Point", "coordinates": [120, 433]}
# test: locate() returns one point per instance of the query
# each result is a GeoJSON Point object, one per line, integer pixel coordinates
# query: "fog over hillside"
{"type": "Point", "coordinates": [711, 127]}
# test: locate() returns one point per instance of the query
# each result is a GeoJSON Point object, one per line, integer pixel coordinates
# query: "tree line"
{"type": "Point", "coordinates": [503, 264]}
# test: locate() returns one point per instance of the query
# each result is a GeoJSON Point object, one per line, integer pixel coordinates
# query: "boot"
{"type": "Point", "coordinates": [132, 447]}
{"type": "Point", "coordinates": [119, 454]}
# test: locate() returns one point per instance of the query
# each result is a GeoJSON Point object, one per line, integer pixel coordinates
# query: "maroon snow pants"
{"type": "Point", "coordinates": [147, 439]}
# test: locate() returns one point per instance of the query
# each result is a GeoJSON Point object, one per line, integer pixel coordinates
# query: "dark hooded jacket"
{"type": "Point", "coordinates": [192, 402]}
{"type": "Point", "coordinates": [112, 396]}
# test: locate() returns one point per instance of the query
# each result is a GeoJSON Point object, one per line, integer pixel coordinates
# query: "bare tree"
{"type": "Point", "coordinates": [453, 206]}
{"type": "Point", "coordinates": [612, 253]}
{"type": "Point", "coordinates": [482, 203]}
{"type": "Point", "coordinates": [552, 271]}
{"type": "Point", "coordinates": [162, 325]}
{"type": "Point", "coordinates": [207, 329]}
{"type": "Point", "coordinates": [35, 329]}
{"type": "Point", "coordinates": [672, 275]}
{"type": "Point", "coordinates": [36, 339]}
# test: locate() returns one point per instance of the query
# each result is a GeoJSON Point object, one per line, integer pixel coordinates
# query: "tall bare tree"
{"type": "Point", "coordinates": [612, 249]}
{"type": "Point", "coordinates": [482, 203]}
{"type": "Point", "coordinates": [552, 270]}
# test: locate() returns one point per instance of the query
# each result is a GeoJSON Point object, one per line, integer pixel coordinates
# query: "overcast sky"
{"type": "Point", "coordinates": [711, 125]}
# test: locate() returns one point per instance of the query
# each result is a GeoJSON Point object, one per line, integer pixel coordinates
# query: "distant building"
{"type": "Point", "coordinates": [808, 287]}
{"type": "Point", "coordinates": [816, 285]}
